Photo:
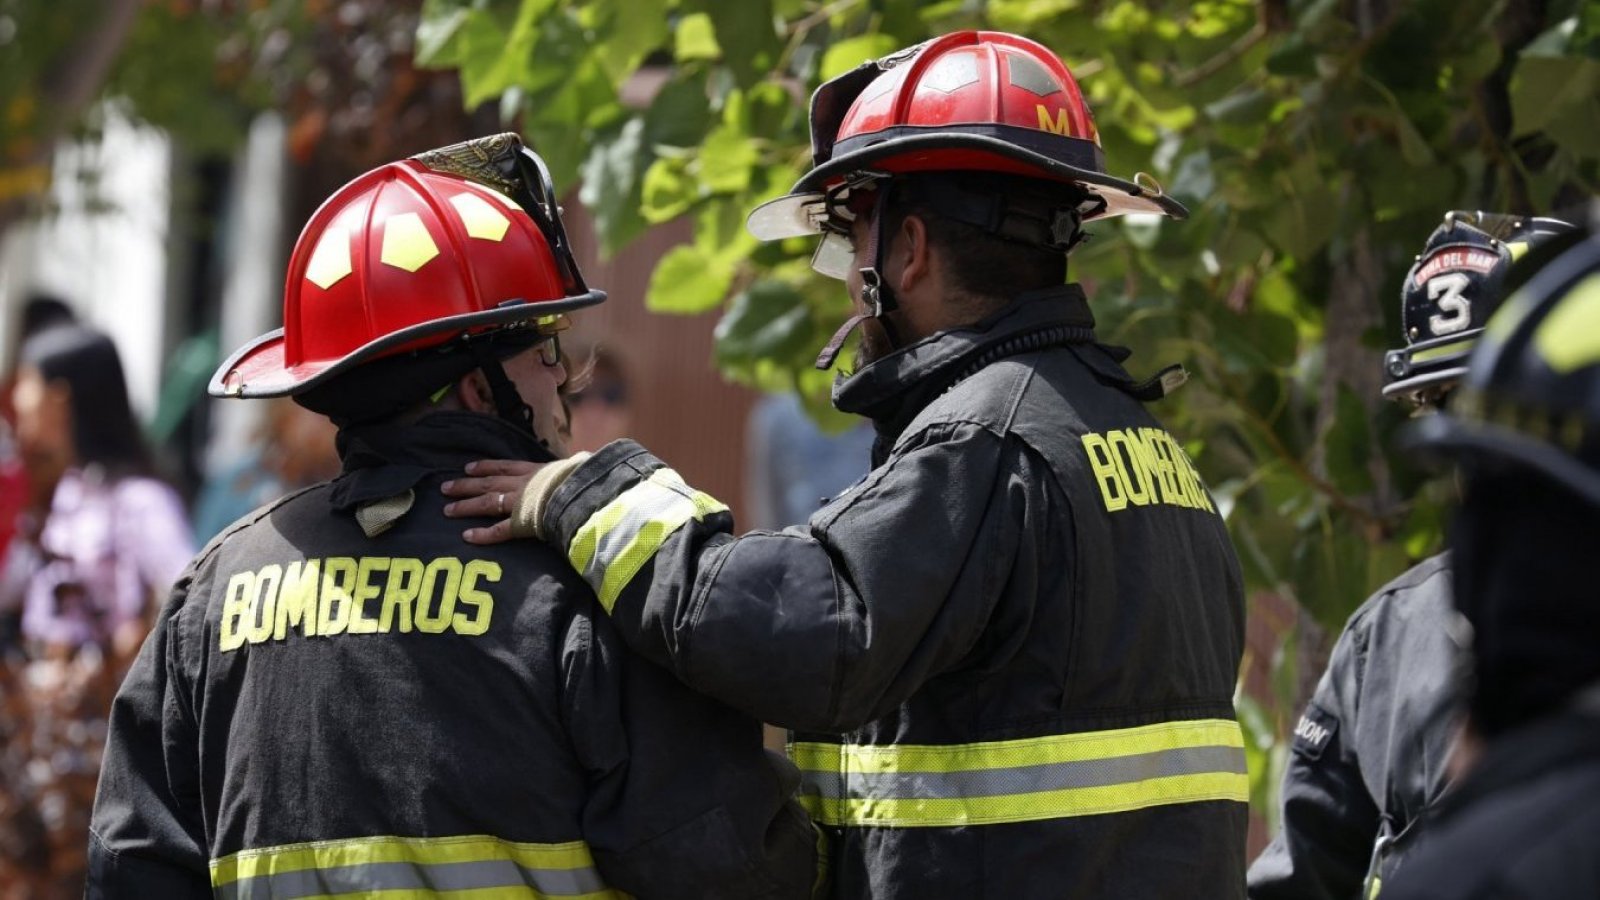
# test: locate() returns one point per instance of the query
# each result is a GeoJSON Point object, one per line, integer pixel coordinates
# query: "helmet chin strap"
{"type": "Point", "coordinates": [876, 294]}
{"type": "Point", "coordinates": [508, 403]}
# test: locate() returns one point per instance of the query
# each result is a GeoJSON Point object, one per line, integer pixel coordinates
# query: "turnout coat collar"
{"type": "Point", "coordinates": [897, 386]}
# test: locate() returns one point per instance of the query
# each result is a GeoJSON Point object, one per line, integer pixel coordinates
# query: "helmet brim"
{"type": "Point", "coordinates": [1438, 377]}
{"type": "Point", "coordinates": [259, 368]}
{"type": "Point", "coordinates": [1449, 438]}
{"type": "Point", "coordinates": [787, 216]}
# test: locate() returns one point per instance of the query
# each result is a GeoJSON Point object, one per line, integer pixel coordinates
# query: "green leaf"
{"type": "Point", "coordinates": [696, 38]}
{"type": "Point", "coordinates": [634, 28]}
{"type": "Point", "coordinates": [680, 114]}
{"type": "Point", "coordinates": [611, 184]}
{"type": "Point", "coordinates": [726, 159]}
{"type": "Point", "coordinates": [494, 57]}
{"type": "Point", "coordinates": [669, 191]}
{"type": "Point", "coordinates": [687, 281]}
{"type": "Point", "coordinates": [748, 26]}
{"type": "Point", "coordinates": [768, 320]}
{"type": "Point", "coordinates": [851, 52]}
{"type": "Point", "coordinates": [1545, 88]}
{"type": "Point", "coordinates": [437, 26]}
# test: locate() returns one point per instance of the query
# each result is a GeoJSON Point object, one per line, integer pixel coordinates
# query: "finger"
{"type": "Point", "coordinates": [480, 487]}
{"type": "Point", "coordinates": [498, 533]}
{"type": "Point", "coordinates": [485, 467]}
{"type": "Point", "coordinates": [486, 506]}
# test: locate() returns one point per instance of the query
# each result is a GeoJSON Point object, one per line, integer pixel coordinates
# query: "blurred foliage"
{"type": "Point", "coordinates": [1316, 143]}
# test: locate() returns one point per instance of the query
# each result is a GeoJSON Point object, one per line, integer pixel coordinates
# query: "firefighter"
{"type": "Point", "coordinates": [1368, 756]}
{"type": "Point", "coordinates": [1524, 820]}
{"type": "Point", "coordinates": [337, 699]}
{"type": "Point", "coordinates": [1008, 654]}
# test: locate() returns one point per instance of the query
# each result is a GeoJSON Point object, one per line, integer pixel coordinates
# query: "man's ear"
{"type": "Point", "coordinates": [915, 258]}
{"type": "Point", "coordinates": [472, 389]}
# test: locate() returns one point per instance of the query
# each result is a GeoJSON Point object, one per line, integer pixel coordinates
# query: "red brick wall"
{"type": "Point", "coordinates": [682, 409]}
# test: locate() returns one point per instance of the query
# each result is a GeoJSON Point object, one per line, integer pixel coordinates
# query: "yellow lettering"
{"type": "Point", "coordinates": [1150, 458]}
{"type": "Point", "coordinates": [1105, 472]}
{"type": "Point", "coordinates": [338, 580]}
{"type": "Point", "coordinates": [1124, 454]}
{"type": "Point", "coordinates": [1160, 457]}
{"type": "Point", "coordinates": [472, 595]}
{"type": "Point", "coordinates": [234, 606]}
{"type": "Point", "coordinates": [297, 600]}
{"type": "Point", "coordinates": [405, 579]}
{"type": "Point", "coordinates": [1191, 479]}
{"type": "Point", "coordinates": [450, 568]}
{"type": "Point", "coordinates": [264, 603]}
{"type": "Point", "coordinates": [365, 590]}
{"type": "Point", "coordinates": [1058, 125]}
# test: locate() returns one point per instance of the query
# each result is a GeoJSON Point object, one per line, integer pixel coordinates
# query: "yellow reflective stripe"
{"type": "Point", "coordinates": [1449, 349]}
{"type": "Point", "coordinates": [469, 894]}
{"type": "Point", "coordinates": [459, 866]}
{"type": "Point", "coordinates": [1030, 779]}
{"type": "Point", "coordinates": [1055, 748]}
{"type": "Point", "coordinates": [616, 542]}
{"type": "Point", "coordinates": [1569, 337]}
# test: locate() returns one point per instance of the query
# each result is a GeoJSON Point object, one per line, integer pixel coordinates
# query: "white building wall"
{"type": "Point", "coordinates": [103, 247]}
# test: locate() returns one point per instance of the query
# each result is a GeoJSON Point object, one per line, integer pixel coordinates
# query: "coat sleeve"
{"type": "Point", "coordinates": [683, 800]}
{"type": "Point", "coordinates": [146, 837]}
{"type": "Point", "coordinates": [1329, 819]}
{"type": "Point", "coordinates": [821, 628]}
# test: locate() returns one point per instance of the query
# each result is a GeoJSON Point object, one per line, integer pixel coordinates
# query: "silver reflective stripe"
{"type": "Point", "coordinates": [640, 505]}
{"type": "Point", "coordinates": [392, 876]}
{"type": "Point", "coordinates": [1024, 779]}
{"type": "Point", "coordinates": [622, 536]}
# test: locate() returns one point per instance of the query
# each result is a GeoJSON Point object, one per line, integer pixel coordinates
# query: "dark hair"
{"type": "Point", "coordinates": [104, 430]}
{"type": "Point", "coordinates": [980, 262]}
{"type": "Point", "coordinates": [41, 311]}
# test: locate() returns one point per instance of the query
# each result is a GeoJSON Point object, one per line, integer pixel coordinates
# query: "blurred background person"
{"type": "Point", "coordinates": [793, 467]}
{"type": "Point", "coordinates": [86, 573]}
{"type": "Point", "coordinates": [293, 450]}
{"type": "Point", "coordinates": [599, 403]}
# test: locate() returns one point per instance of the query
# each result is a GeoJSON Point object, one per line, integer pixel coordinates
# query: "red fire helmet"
{"type": "Point", "coordinates": [967, 101]}
{"type": "Point", "coordinates": [413, 254]}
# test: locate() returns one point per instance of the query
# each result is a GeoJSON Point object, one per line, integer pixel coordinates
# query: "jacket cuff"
{"type": "Point", "coordinates": [528, 518]}
{"type": "Point", "coordinates": [595, 482]}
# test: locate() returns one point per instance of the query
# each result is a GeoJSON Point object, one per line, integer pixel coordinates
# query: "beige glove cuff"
{"type": "Point", "coordinates": [527, 519]}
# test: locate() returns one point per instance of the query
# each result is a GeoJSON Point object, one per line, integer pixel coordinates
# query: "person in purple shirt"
{"type": "Point", "coordinates": [87, 573]}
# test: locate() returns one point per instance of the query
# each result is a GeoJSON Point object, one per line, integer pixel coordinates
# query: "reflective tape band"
{"type": "Point", "coordinates": [624, 534]}
{"type": "Point", "coordinates": [412, 867]}
{"type": "Point", "coordinates": [1025, 780]}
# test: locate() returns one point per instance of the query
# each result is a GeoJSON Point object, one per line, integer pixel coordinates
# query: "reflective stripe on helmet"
{"type": "Point", "coordinates": [1054, 777]}
{"type": "Point", "coordinates": [615, 543]}
{"type": "Point", "coordinates": [410, 867]}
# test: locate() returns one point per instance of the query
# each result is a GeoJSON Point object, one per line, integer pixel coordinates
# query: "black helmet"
{"type": "Point", "coordinates": [1530, 399]}
{"type": "Point", "coordinates": [1455, 285]}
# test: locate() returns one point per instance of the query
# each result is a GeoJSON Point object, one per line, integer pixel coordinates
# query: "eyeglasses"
{"type": "Point", "coordinates": [841, 206]}
{"type": "Point", "coordinates": [550, 351]}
